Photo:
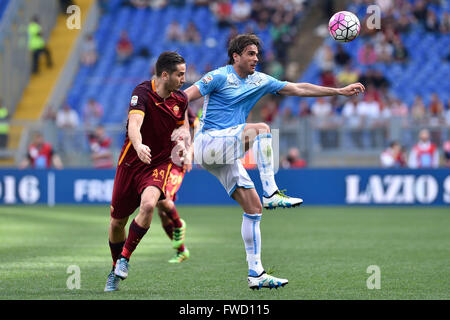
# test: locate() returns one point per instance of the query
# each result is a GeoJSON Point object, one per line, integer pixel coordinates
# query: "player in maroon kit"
{"type": "Point", "coordinates": [157, 108]}
{"type": "Point", "coordinates": [175, 227]}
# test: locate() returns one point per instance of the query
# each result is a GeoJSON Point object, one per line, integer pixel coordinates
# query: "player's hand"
{"type": "Point", "coordinates": [352, 89]}
{"type": "Point", "coordinates": [181, 134]}
{"type": "Point", "coordinates": [144, 154]}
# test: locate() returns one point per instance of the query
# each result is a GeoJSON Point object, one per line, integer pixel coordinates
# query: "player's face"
{"type": "Point", "coordinates": [248, 59]}
{"type": "Point", "coordinates": [177, 78]}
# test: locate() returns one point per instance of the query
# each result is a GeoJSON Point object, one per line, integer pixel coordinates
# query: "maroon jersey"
{"type": "Point", "coordinates": [161, 117]}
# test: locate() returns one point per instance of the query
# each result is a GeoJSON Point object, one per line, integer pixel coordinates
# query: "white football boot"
{"type": "Point", "coordinates": [266, 281]}
{"type": "Point", "coordinates": [280, 200]}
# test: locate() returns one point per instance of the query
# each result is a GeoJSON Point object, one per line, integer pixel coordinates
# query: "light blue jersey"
{"type": "Point", "coordinates": [229, 98]}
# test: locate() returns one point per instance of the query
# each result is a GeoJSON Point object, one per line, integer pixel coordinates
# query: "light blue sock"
{"type": "Point", "coordinates": [251, 235]}
{"type": "Point", "coordinates": [263, 154]}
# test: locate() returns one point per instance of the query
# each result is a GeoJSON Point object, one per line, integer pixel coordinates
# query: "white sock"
{"type": "Point", "coordinates": [263, 154]}
{"type": "Point", "coordinates": [251, 235]}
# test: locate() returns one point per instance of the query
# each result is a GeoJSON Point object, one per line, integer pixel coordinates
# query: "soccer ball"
{"type": "Point", "coordinates": [344, 26]}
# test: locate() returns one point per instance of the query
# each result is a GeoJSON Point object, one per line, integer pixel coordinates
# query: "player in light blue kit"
{"type": "Point", "coordinates": [224, 137]}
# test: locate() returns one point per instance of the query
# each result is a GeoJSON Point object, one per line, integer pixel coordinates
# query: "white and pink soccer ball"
{"type": "Point", "coordinates": [344, 26]}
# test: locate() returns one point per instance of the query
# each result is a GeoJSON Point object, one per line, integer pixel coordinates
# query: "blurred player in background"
{"type": "Point", "coordinates": [393, 157]}
{"type": "Point", "coordinates": [173, 225]}
{"type": "Point", "coordinates": [156, 109]}
{"type": "Point", "coordinates": [230, 93]}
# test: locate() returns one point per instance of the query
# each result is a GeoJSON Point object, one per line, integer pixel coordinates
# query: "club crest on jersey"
{"type": "Point", "coordinates": [176, 109]}
{"type": "Point", "coordinates": [134, 100]}
{"type": "Point", "coordinates": [207, 79]}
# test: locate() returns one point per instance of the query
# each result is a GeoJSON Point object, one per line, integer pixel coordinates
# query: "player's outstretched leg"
{"type": "Point", "coordinates": [263, 153]}
{"type": "Point", "coordinates": [175, 228]}
{"type": "Point", "coordinates": [138, 228]}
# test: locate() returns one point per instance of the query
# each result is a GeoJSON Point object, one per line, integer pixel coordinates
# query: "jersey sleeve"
{"type": "Point", "coordinates": [138, 101]}
{"type": "Point", "coordinates": [210, 82]}
{"type": "Point", "coordinates": [274, 85]}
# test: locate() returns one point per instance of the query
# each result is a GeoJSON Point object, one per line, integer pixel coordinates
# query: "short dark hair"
{"type": "Point", "coordinates": [168, 61]}
{"type": "Point", "coordinates": [240, 42]}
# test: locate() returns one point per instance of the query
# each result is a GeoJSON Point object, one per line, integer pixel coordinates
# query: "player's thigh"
{"type": "Point", "coordinates": [125, 197]}
{"type": "Point", "coordinates": [219, 147]}
{"type": "Point", "coordinates": [149, 199]}
{"type": "Point", "coordinates": [248, 199]}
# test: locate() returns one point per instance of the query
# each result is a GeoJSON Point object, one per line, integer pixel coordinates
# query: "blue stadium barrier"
{"type": "Point", "coordinates": [315, 186]}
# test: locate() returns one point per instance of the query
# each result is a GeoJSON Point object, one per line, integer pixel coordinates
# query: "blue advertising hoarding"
{"type": "Point", "coordinates": [315, 186]}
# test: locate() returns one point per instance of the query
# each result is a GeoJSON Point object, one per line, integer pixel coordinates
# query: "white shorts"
{"type": "Point", "coordinates": [219, 152]}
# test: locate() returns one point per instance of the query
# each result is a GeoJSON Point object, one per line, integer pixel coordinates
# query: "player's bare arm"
{"type": "Point", "coordinates": [311, 90]}
{"type": "Point", "coordinates": [193, 93]}
{"type": "Point", "coordinates": [134, 133]}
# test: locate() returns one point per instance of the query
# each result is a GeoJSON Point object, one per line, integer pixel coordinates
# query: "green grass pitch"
{"type": "Point", "coordinates": [323, 251]}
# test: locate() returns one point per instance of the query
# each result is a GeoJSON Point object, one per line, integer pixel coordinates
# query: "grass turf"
{"type": "Point", "coordinates": [323, 251]}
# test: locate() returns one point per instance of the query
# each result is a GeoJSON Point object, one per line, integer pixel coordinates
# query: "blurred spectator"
{"type": "Point", "coordinates": [444, 26]}
{"type": "Point", "coordinates": [420, 11]}
{"type": "Point", "coordinates": [424, 154]}
{"type": "Point", "coordinates": [404, 21]}
{"type": "Point", "coordinates": [240, 11]}
{"type": "Point", "coordinates": [393, 156]}
{"type": "Point", "coordinates": [89, 51]}
{"type": "Point", "coordinates": [67, 118]}
{"type": "Point", "coordinates": [367, 55]}
{"type": "Point", "coordinates": [293, 159]}
{"type": "Point", "coordinates": [328, 79]}
{"type": "Point", "coordinates": [269, 111]}
{"type": "Point", "coordinates": [40, 155]}
{"type": "Point", "coordinates": [447, 113]}
{"type": "Point", "coordinates": [418, 110]}
{"type": "Point", "coordinates": [321, 108]}
{"type": "Point", "coordinates": [398, 108]}
{"type": "Point", "coordinates": [352, 120]}
{"type": "Point", "coordinates": [273, 66]}
{"type": "Point", "coordinates": [384, 52]}
{"type": "Point", "coordinates": [431, 22]}
{"type": "Point", "coordinates": [341, 57]}
{"type": "Point", "coordinates": [446, 148]}
{"type": "Point", "coordinates": [100, 146]}
{"type": "Point", "coordinates": [192, 34]}
{"type": "Point", "coordinates": [124, 48]}
{"type": "Point", "coordinates": [400, 53]}
{"type": "Point", "coordinates": [325, 58]}
{"type": "Point", "coordinates": [304, 110]}
{"type": "Point", "coordinates": [347, 76]}
{"type": "Point", "coordinates": [369, 109]}
{"type": "Point", "coordinates": [192, 75]}
{"type": "Point", "coordinates": [92, 114]}
{"type": "Point", "coordinates": [175, 32]}
{"type": "Point", "coordinates": [374, 78]}
{"type": "Point", "coordinates": [436, 107]}
{"type": "Point", "coordinates": [4, 125]}
{"type": "Point", "coordinates": [222, 11]}
{"type": "Point", "coordinates": [36, 44]}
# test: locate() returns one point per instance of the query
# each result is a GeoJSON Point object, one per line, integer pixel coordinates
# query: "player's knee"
{"type": "Point", "coordinates": [263, 128]}
{"type": "Point", "coordinates": [147, 207]}
{"type": "Point", "coordinates": [118, 224]}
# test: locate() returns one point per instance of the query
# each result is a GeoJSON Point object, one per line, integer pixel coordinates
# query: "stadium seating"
{"type": "Point", "coordinates": [112, 83]}
{"type": "Point", "coordinates": [414, 78]}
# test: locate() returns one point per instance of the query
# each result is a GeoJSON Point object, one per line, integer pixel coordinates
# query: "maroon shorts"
{"type": "Point", "coordinates": [130, 182]}
{"type": "Point", "coordinates": [174, 182]}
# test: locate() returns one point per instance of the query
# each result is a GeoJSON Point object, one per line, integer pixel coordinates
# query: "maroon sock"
{"type": "Point", "coordinates": [173, 214]}
{"type": "Point", "coordinates": [135, 234]}
{"type": "Point", "coordinates": [169, 229]}
{"type": "Point", "coordinates": [116, 249]}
